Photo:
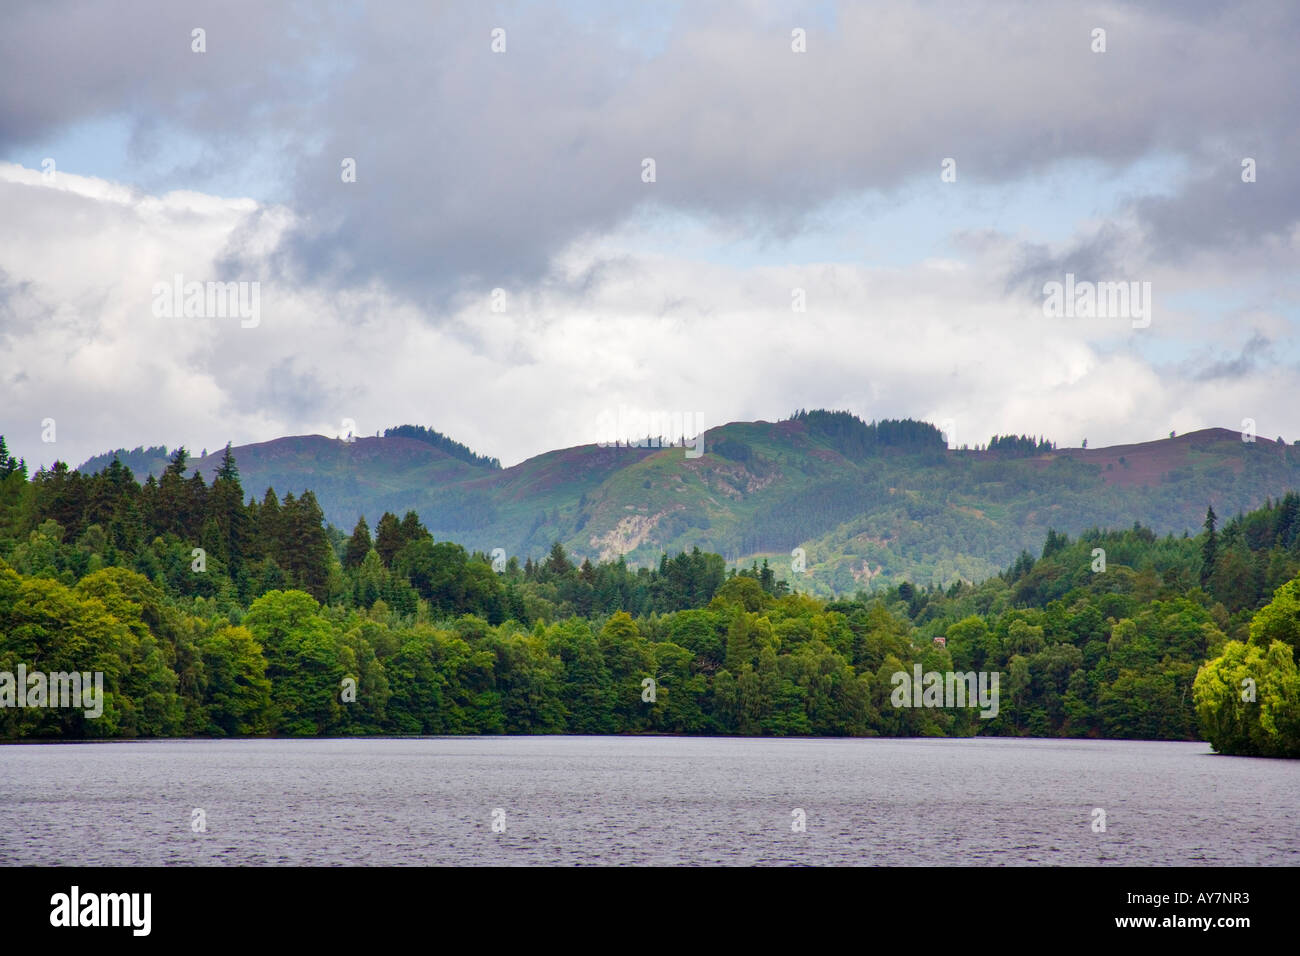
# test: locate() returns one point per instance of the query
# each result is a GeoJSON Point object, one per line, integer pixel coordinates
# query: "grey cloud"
{"type": "Point", "coordinates": [475, 169]}
{"type": "Point", "coordinates": [1246, 362]}
{"type": "Point", "coordinates": [1096, 259]}
{"type": "Point", "coordinates": [296, 394]}
{"type": "Point", "coordinates": [1217, 210]}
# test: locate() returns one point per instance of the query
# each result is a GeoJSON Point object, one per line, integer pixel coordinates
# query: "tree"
{"type": "Point", "coordinates": [302, 659]}
{"type": "Point", "coordinates": [588, 692]}
{"type": "Point", "coordinates": [1248, 701]}
{"type": "Point", "coordinates": [1210, 549]}
{"type": "Point", "coordinates": [412, 529]}
{"type": "Point", "coordinates": [557, 562]}
{"type": "Point", "coordinates": [388, 538]}
{"type": "Point", "coordinates": [629, 660]}
{"type": "Point", "coordinates": [1279, 620]}
{"type": "Point", "coordinates": [225, 508]}
{"type": "Point", "coordinates": [176, 466]}
{"type": "Point", "coordinates": [228, 470]}
{"type": "Point", "coordinates": [358, 546]}
{"type": "Point", "coordinates": [9, 464]}
{"type": "Point", "coordinates": [237, 693]}
{"type": "Point", "coordinates": [307, 549]}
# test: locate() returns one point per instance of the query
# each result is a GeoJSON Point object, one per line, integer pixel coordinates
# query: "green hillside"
{"type": "Point", "coordinates": [210, 616]}
{"type": "Point", "coordinates": [871, 504]}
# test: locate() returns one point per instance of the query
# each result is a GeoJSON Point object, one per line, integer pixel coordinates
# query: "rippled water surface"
{"type": "Point", "coordinates": [644, 800]}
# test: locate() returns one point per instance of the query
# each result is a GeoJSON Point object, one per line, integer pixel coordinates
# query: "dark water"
{"type": "Point", "coordinates": [594, 800]}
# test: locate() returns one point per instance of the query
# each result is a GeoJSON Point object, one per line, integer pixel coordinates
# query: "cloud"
{"type": "Point", "coordinates": [942, 339]}
{"type": "Point", "coordinates": [1245, 363]}
{"type": "Point", "coordinates": [522, 171]}
{"type": "Point", "coordinates": [476, 169]}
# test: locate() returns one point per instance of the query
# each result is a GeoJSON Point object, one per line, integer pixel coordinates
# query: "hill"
{"type": "Point", "coordinates": [213, 617]}
{"type": "Point", "coordinates": [871, 504]}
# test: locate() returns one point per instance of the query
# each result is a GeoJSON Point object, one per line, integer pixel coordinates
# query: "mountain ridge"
{"type": "Point", "coordinates": [864, 514]}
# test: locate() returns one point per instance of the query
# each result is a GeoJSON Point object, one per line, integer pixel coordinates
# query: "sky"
{"type": "Point", "coordinates": [853, 206]}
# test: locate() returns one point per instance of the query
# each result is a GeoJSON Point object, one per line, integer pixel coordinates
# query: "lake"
{"type": "Point", "coordinates": [644, 800]}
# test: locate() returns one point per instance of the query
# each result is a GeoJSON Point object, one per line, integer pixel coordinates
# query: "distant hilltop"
{"type": "Point", "coordinates": [865, 502]}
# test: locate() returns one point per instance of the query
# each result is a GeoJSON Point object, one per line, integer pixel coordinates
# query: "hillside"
{"type": "Point", "coordinates": [1157, 641]}
{"type": "Point", "coordinates": [869, 507]}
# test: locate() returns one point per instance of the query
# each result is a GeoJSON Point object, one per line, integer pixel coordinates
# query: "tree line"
{"type": "Point", "coordinates": [287, 626]}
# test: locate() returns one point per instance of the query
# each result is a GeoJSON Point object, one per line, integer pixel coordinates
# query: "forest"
{"type": "Point", "coordinates": [211, 612]}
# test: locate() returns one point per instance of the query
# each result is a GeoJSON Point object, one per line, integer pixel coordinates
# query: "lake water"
{"type": "Point", "coordinates": [644, 800]}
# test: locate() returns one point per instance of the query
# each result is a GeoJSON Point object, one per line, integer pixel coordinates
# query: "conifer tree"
{"type": "Point", "coordinates": [359, 545]}
{"type": "Point", "coordinates": [225, 507]}
{"type": "Point", "coordinates": [228, 470]}
{"type": "Point", "coordinates": [306, 549]}
{"type": "Point", "coordinates": [269, 520]}
{"type": "Point", "coordinates": [388, 538]}
{"type": "Point", "coordinates": [1209, 550]}
{"type": "Point", "coordinates": [412, 530]}
{"type": "Point", "coordinates": [8, 463]}
{"type": "Point", "coordinates": [177, 464]}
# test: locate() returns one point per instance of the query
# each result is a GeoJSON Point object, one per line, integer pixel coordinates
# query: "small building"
{"type": "Point", "coordinates": [941, 641]}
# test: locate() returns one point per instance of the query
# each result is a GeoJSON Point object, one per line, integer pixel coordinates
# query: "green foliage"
{"type": "Point", "coordinates": [140, 460]}
{"type": "Point", "coordinates": [873, 504]}
{"type": "Point", "coordinates": [440, 441]}
{"type": "Point", "coordinates": [296, 629]}
{"type": "Point", "coordinates": [1248, 700]}
{"type": "Point", "coordinates": [359, 545]}
{"type": "Point", "coordinates": [855, 439]}
{"type": "Point", "coordinates": [8, 463]}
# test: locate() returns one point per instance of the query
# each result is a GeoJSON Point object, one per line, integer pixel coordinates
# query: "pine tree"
{"type": "Point", "coordinates": [373, 581]}
{"type": "Point", "coordinates": [228, 470]}
{"type": "Point", "coordinates": [173, 512]}
{"type": "Point", "coordinates": [225, 506]}
{"type": "Point", "coordinates": [358, 546]}
{"type": "Point", "coordinates": [412, 530]}
{"type": "Point", "coordinates": [388, 538]}
{"type": "Point", "coordinates": [195, 504]}
{"type": "Point", "coordinates": [267, 533]}
{"type": "Point", "coordinates": [307, 555]}
{"type": "Point", "coordinates": [8, 463]}
{"type": "Point", "coordinates": [557, 563]}
{"type": "Point", "coordinates": [177, 465]}
{"type": "Point", "coordinates": [1209, 550]}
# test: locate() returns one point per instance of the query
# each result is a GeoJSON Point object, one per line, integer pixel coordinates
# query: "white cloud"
{"type": "Point", "coordinates": [943, 339]}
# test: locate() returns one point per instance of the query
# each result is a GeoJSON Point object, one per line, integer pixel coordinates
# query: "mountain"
{"type": "Point", "coordinates": [870, 503]}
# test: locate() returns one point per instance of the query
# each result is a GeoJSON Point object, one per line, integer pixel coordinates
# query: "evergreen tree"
{"type": "Point", "coordinates": [270, 519]}
{"type": "Point", "coordinates": [8, 463]}
{"type": "Point", "coordinates": [177, 464]}
{"type": "Point", "coordinates": [558, 563]}
{"type": "Point", "coordinates": [388, 538]}
{"type": "Point", "coordinates": [228, 470]}
{"type": "Point", "coordinates": [1210, 549]}
{"type": "Point", "coordinates": [412, 529]}
{"type": "Point", "coordinates": [358, 546]}
{"type": "Point", "coordinates": [307, 549]}
{"type": "Point", "coordinates": [225, 508]}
